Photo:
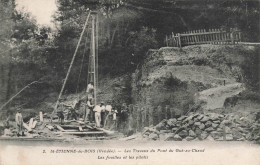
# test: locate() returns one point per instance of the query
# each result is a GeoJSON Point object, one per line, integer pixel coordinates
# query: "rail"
{"type": "Point", "coordinates": [195, 37]}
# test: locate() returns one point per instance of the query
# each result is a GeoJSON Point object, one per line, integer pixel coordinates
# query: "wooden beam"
{"type": "Point", "coordinates": [60, 128]}
{"type": "Point", "coordinates": [82, 133]}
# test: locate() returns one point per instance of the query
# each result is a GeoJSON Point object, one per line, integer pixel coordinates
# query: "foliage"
{"type": "Point", "coordinates": [141, 41]}
{"type": "Point", "coordinates": [127, 29]}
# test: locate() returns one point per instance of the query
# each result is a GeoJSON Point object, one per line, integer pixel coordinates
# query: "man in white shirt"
{"type": "Point", "coordinates": [97, 110]}
{"type": "Point", "coordinates": [19, 122]}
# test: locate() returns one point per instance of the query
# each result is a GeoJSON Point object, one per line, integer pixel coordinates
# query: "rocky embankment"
{"type": "Point", "coordinates": [210, 126]}
{"type": "Point", "coordinates": [205, 75]}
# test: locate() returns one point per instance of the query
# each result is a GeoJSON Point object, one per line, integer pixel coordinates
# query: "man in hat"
{"type": "Point", "coordinates": [108, 115]}
{"type": "Point", "coordinates": [19, 122]}
{"type": "Point", "coordinates": [90, 90]}
{"type": "Point", "coordinates": [97, 110]}
{"type": "Point", "coordinates": [114, 125]}
{"type": "Point", "coordinates": [103, 115]}
{"type": "Point", "coordinates": [89, 109]}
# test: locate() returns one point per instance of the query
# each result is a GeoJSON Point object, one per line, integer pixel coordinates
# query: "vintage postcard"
{"type": "Point", "coordinates": [129, 82]}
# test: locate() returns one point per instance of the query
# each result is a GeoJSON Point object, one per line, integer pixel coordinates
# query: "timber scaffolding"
{"type": "Point", "coordinates": [195, 37]}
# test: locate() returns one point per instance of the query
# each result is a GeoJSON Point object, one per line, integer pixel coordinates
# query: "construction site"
{"type": "Point", "coordinates": [195, 85]}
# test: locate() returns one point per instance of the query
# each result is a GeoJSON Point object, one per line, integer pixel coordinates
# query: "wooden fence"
{"type": "Point", "coordinates": [212, 36]}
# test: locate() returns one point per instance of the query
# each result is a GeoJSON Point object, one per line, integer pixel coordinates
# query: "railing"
{"type": "Point", "coordinates": [212, 36]}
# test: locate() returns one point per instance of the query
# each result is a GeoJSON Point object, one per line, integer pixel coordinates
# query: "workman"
{"type": "Point", "coordinates": [114, 125]}
{"type": "Point", "coordinates": [108, 115]}
{"type": "Point", "coordinates": [103, 109]}
{"type": "Point", "coordinates": [124, 116]}
{"type": "Point", "coordinates": [89, 109]}
{"type": "Point", "coordinates": [90, 90]}
{"type": "Point", "coordinates": [19, 122]}
{"type": "Point", "coordinates": [97, 111]}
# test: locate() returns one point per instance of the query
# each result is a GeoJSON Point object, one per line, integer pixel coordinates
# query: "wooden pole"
{"type": "Point", "coordinates": [72, 61]}
{"type": "Point", "coordinates": [166, 40]}
{"type": "Point", "coordinates": [41, 116]}
{"type": "Point", "coordinates": [179, 39]}
{"type": "Point", "coordinates": [97, 33]}
{"type": "Point", "coordinates": [94, 57]}
{"type": "Point", "coordinates": [232, 36]}
{"type": "Point", "coordinates": [27, 86]}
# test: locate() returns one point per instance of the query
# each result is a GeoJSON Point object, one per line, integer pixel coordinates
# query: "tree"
{"type": "Point", "coordinates": [24, 50]}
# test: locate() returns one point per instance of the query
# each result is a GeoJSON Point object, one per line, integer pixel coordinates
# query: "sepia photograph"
{"type": "Point", "coordinates": [129, 82]}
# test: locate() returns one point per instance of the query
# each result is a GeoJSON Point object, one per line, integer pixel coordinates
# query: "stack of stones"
{"type": "Point", "coordinates": [211, 126]}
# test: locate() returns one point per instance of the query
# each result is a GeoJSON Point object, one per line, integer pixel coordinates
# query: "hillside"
{"type": "Point", "coordinates": [204, 76]}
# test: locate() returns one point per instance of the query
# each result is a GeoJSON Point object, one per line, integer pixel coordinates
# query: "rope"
{"type": "Point", "coordinates": [72, 61]}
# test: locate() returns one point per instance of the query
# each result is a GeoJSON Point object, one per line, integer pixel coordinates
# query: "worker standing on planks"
{"type": "Point", "coordinates": [90, 90]}
{"type": "Point", "coordinates": [114, 125]}
{"type": "Point", "coordinates": [108, 115]}
{"type": "Point", "coordinates": [19, 122]}
{"type": "Point", "coordinates": [103, 109]}
{"type": "Point", "coordinates": [89, 110]}
{"type": "Point", "coordinates": [124, 117]}
{"type": "Point", "coordinates": [97, 111]}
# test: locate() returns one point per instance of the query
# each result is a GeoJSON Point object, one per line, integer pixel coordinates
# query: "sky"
{"type": "Point", "coordinates": [41, 10]}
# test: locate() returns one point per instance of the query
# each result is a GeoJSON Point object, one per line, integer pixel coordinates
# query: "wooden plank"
{"type": "Point", "coordinates": [71, 130]}
{"type": "Point", "coordinates": [29, 139]}
{"type": "Point", "coordinates": [183, 39]}
{"type": "Point", "coordinates": [50, 127]}
{"type": "Point", "coordinates": [41, 116]}
{"type": "Point", "coordinates": [176, 41]}
{"type": "Point", "coordinates": [106, 131]}
{"type": "Point", "coordinates": [179, 39]}
{"type": "Point", "coordinates": [191, 37]}
{"type": "Point", "coordinates": [31, 123]}
{"type": "Point", "coordinates": [81, 133]}
{"type": "Point", "coordinates": [69, 126]}
{"type": "Point", "coordinates": [224, 37]}
{"type": "Point", "coordinates": [216, 30]}
{"type": "Point", "coordinates": [212, 36]}
{"type": "Point", "coordinates": [34, 124]}
{"type": "Point", "coordinates": [205, 36]}
{"type": "Point", "coordinates": [232, 36]}
{"type": "Point", "coordinates": [202, 36]}
{"type": "Point", "coordinates": [195, 34]}
{"type": "Point", "coordinates": [27, 127]}
{"type": "Point", "coordinates": [199, 36]}
{"type": "Point", "coordinates": [173, 40]}
{"type": "Point", "coordinates": [215, 36]}
{"type": "Point", "coordinates": [60, 128]}
{"type": "Point", "coordinates": [166, 40]}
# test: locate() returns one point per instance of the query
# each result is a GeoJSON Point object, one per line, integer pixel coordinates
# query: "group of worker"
{"type": "Point", "coordinates": [103, 115]}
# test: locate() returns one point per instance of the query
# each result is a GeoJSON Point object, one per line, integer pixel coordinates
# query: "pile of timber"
{"type": "Point", "coordinates": [81, 129]}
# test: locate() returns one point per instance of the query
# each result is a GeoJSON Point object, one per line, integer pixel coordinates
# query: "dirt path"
{"type": "Point", "coordinates": [215, 97]}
